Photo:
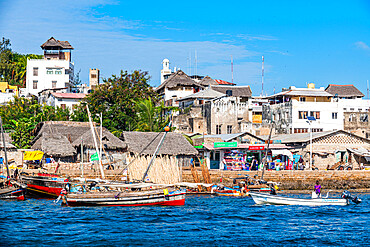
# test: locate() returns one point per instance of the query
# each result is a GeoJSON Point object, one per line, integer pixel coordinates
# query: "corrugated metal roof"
{"type": "Point", "coordinates": [205, 94]}
{"type": "Point", "coordinates": [303, 92]}
{"type": "Point", "coordinates": [300, 137]}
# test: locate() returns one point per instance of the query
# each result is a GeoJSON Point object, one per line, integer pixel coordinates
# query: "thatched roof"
{"type": "Point", "coordinates": [71, 130]}
{"type": "Point", "coordinates": [207, 81]}
{"type": "Point", "coordinates": [147, 142]}
{"type": "Point", "coordinates": [54, 144]}
{"type": "Point", "coordinates": [52, 42]}
{"type": "Point", "coordinates": [109, 140]}
{"type": "Point", "coordinates": [237, 91]}
{"type": "Point", "coordinates": [344, 91]}
{"type": "Point", "coordinates": [177, 79]}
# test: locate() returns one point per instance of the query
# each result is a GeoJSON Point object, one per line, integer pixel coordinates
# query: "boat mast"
{"type": "Point", "coordinates": [166, 129]}
{"type": "Point", "coordinates": [6, 157]}
{"type": "Point", "coordinates": [95, 142]}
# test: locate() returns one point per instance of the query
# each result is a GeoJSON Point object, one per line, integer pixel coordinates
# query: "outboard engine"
{"type": "Point", "coordinates": [347, 195]}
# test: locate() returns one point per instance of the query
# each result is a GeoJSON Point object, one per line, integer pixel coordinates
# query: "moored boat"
{"type": "Point", "coordinates": [44, 185]}
{"type": "Point", "coordinates": [14, 192]}
{"type": "Point", "coordinates": [157, 197]}
{"type": "Point", "coordinates": [263, 198]}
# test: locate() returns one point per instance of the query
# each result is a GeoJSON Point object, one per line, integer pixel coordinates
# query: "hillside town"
{"type": "Point", "coordinates": [296, 129]}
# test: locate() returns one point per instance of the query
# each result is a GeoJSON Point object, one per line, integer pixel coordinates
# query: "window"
{"type": "Point", "coordinates": [63, 106]}
{"type": "Point", "coordinates": [93, 76]}
{"type": "Point", "coordinates": [352, 109]}
{"type": "Point", "coordinates": [317, 130]}
{"type": "Point", "coordinates": [364, 117]}
{"type": "Point", "coordinates": [344, 109]}
{"type": "Point", "coordinates": [49, 71]}
{"type": "Point", "coordinates": [301, 130]}
{"type": "Point", "coordinates": [359, 109]}
{"type": "Point", "coordinates": [229, 129]}
{"type": "Point", "coordinates": [218, 129]}
{"type": "Point", "coordinates": [352, 118]}
{"type": "Point", "coordinates": [35, 71]}
{"type": "Point", "coordinates": [302, 114]}
{"type": "Point", "coordinates": [302, 99]}
{"type": "Point", "coordinates": [35, 84]}
{"type": "Point", "coordinates": [334, 115]}
{"type": "Point", "coordinates": [58, 71]}
{"type": "Point", "coordinates": [315, 114]}
{"type": "Point", "coordinates": [53, 84]}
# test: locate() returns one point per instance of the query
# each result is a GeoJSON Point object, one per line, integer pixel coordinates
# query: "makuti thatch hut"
{"type": "Point", "coordinates": [174, 153]}
{"type": "Point", "coordinates": [112, 145]}
{"type": "Point", "coordinates": [56, 138]}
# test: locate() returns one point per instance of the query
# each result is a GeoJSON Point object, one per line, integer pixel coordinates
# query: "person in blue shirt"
{"type": "Point", "coordinates": [1, 160]}
{"type": "Point", "coordinates": [192, 161]}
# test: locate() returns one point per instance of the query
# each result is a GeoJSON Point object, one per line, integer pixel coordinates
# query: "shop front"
{"type": "Point", "coordinates": [236, 157]}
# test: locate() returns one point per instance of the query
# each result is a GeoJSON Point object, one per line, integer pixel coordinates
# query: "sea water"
{"type": "Point", "coordinates": [203, 221]}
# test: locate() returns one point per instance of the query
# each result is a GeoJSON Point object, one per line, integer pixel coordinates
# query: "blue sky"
{"type": "Point", "coordinates": [302, 41]}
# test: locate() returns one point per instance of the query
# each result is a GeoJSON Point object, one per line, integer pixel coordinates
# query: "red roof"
{"type": "Point", "coordinates": [69, 95]}
{"type": "Point", "coordinates": [222, 82]}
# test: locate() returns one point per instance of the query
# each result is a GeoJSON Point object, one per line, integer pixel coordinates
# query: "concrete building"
{"type": "Point", "coordinates": [94, 75]}
{"type": "Point", "coordinates": [55, 70]}
{"type": "Point", "coordinates": [65, 100]}
{"type": "Point", "coordinates": [176, 86]}
{"type": "Point", "coordinates": [219, 110]}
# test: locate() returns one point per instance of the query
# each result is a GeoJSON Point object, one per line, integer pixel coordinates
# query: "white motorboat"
{"type": "Point", "coordinates": [263, 198]}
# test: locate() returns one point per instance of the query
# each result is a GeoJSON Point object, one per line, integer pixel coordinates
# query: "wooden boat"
{"type": "Point", "coordinates": [9, 187]}
{"type": "Point", "coordinates": [158, 197]}
{"type": "Point", "coordinates": [14, 192]}
{"type": "Point", "coordinates": [262, 198]}
{"type": "Point", "coordinates": [44, 185]}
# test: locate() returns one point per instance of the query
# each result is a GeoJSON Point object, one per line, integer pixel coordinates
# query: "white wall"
{"type": "Point", "coordinates": [57, 102]}
{"type": "Point", "coordinates": [326, 122]}
{"type": "Point", "coordinates": [44, 79]}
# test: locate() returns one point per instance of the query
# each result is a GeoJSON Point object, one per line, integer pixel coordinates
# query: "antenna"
{"type": "Point", "coordinates": [190, 62]}
{"type": "Point", "coordinates": [232, 70]}
{"type": "Point", "coordinates": [196, 62]}
{"type": "Point", "coordinates": [263, 63]}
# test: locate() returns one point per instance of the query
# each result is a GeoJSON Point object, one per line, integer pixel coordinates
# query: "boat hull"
{"type": "Point", "coordinates": [176, 198]}
{"type": "Point", "coordinates": [44, 186]}
{"type": "Point", "coordinates": [260, 198]}
{"type": "Point", "coordinates": [12, 194]}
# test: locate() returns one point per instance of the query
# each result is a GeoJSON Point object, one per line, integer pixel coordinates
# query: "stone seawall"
{"type": "Point", "coordinates": [294, 180]}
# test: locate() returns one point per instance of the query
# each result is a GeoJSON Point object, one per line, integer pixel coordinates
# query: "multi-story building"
{"type": "Point", "coordinates": [290, 108]}
{"type": "Point", "coordinates": [94, 75]}
{"type": "Point", "coordinates": [55, 70]}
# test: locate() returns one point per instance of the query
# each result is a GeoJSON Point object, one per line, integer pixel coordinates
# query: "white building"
{"type": "Point", "coordinates": [290, 108]}
{"type": "Point", "coordinates": [65, 100]}
{"type": "Point", "coordinates": [55, 70]}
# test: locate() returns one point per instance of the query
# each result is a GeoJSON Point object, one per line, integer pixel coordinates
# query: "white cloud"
{"type": "Point", "coordinates": [362, 45]}
{"type": "Point", "coordinates": [113, 43]}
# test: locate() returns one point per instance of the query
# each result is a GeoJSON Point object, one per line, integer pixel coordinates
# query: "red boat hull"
{"type": "Point", "coordinates": [44, 191]}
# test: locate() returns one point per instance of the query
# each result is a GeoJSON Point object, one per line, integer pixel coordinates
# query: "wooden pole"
{"type": "Point", "coordinates": [6, 157]}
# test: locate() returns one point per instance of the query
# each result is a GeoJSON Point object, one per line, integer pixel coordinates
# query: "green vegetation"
{"type": "Point", "coordinates": [13, 66]}
{"type": "Point", "coordinates": [127, 103]}
{"type": "Point", "coordinates": [21, 115]}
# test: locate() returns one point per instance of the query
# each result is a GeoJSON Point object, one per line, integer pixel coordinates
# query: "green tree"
{"type": "Point", "coordinates": [13, 66]}
{"type": "Point", "coordinates": [116, 99]}
{"type": "Point", "coordinates": [150, 117]}
{"type": "Point", "coordinates": [21, 115]}
{"type": "Point", "coordinates": [21, 134]}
